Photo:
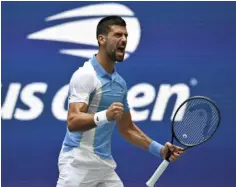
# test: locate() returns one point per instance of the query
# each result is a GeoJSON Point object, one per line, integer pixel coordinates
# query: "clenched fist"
{"type": "Point", "coordinates": [176, 151]}
{"type": "Point", "coordinates": [115, 111]}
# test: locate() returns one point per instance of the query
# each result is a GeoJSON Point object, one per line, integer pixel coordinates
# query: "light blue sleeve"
{"type": "Point", "coordinates": [125, 100]}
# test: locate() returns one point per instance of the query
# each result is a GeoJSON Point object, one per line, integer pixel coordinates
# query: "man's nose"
{"type": "Point", "coordinates": [124, 39]}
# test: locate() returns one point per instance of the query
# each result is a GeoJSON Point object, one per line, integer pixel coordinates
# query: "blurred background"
{"type": "Point", "coordinates": [175, 50]}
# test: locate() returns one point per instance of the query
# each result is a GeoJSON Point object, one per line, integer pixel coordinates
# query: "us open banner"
{"type": "Point", "coordinates": [175, 50]}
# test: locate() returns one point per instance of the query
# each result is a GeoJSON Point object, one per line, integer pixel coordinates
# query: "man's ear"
{"type": "Point", "coordinates": [101, 39]}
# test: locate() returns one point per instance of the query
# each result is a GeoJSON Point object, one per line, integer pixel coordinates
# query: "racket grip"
{"type": "Point", "coordinates": [151, 182]}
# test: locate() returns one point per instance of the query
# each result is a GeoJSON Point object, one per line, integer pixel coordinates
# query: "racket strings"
{"type": "Point", "coordinates": [199, 122]}
{"type": "Point", "coordinates": [184, 131]}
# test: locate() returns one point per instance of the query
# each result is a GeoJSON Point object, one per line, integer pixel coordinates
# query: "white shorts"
{"type": "Point", "coordinates": [81, 168]}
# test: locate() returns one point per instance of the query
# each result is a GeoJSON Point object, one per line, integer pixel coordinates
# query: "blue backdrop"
{"type": "Point", "coordinates": [185, 47]}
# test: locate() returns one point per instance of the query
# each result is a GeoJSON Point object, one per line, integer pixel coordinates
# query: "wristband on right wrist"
{"type": "Point", "coordinates": [100, 118]}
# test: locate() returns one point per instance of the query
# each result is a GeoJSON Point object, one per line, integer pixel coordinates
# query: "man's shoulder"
{"type": "Point", "coordinates": [85, 70]}
{"type": "Point", "coordinates": [84, 73]}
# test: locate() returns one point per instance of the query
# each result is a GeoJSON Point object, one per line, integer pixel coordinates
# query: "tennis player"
{"type": "Point", "coordinates": [97, 102]}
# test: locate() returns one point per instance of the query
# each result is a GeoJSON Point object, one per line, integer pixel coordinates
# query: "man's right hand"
{"type": "Point", "coordinates": [115, 111]}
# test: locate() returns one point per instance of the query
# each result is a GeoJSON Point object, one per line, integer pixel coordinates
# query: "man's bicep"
{"type": "Point", "coordinates": [75, 108]}
{"type": "Point", "coordinates": [78, 107]}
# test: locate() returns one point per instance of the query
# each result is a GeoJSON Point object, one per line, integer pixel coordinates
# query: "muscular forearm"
{"type": "Point", "coordinates": [81, 122]}
{"type": "Point", "coordinates": [136, 137]}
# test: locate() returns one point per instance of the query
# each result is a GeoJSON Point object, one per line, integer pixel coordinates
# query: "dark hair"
{"type": "Point", "coordinates": [104, 24]}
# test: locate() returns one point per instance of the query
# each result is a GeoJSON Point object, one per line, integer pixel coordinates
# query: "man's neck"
{"type": "Point", "coordinates": [105, 62]}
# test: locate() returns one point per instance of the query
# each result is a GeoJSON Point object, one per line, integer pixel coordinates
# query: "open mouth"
{"type": "Point", "coordinates": [121, 49]}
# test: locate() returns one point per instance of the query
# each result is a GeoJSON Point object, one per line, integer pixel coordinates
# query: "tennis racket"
{"type": "Point", "coordinates": [200, 120]}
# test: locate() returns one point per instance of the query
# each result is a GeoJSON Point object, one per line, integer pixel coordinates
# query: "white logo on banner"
{"type": "Point", "coordinates": [83, 31]}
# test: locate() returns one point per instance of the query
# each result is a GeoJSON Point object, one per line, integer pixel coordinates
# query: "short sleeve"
{"type": "Point", "coordinates": [81, 86]}
{"type": "Point", "coordinates": [125, 101]}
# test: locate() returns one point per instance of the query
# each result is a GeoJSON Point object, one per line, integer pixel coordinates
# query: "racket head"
{"type": "Point", "coordinates": [205, 107]}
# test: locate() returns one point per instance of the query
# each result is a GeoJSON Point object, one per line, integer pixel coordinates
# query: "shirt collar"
{"type": "Point", "coordinates": [100, 70]}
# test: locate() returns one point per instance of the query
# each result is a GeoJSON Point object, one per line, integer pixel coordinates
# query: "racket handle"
{"type": "Point", "coordinates": [151, 182]}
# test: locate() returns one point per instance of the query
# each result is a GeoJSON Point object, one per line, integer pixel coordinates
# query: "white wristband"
{"type": "Point", "coordinates": [100, 118]}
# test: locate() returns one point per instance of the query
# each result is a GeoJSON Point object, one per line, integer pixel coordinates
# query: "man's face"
{"type": "Point", "coordinates": [116, 41]}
